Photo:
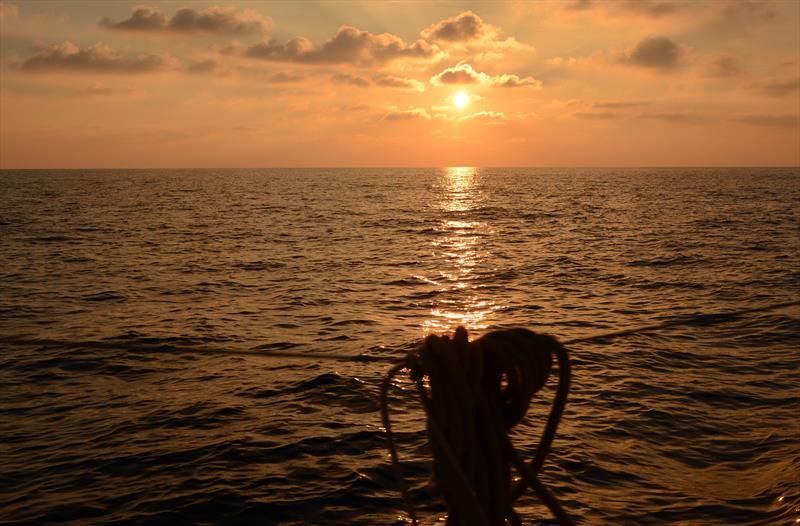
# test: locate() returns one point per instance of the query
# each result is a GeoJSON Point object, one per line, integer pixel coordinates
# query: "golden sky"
{"type": "Point", "coordinates": [263, 84]}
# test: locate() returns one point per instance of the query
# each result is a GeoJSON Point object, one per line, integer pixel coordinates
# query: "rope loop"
{"type": "Point", "coordinates": [473, 394]}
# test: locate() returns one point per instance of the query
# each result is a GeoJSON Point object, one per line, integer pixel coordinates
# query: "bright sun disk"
{"type": "Point", "coordinates": [461, 99]}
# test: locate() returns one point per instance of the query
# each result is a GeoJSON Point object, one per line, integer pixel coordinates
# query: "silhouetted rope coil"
{"type": "Point", "coordinates": [475, 393]}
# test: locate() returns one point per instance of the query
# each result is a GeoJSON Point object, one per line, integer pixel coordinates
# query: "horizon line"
{"type": "Point", "coordinates": [5, 169]}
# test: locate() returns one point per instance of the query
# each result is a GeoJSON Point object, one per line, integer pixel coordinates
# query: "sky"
{"type": "Point", "coordinates": [90, 84]}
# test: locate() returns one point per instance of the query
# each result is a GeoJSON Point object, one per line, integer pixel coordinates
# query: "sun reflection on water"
{"type": "Point", "coordinates": [462, 254]}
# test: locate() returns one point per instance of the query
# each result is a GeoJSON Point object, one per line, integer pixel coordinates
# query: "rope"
{"type": "Point", "coordinates": [476, 393]}
{"type": "Point", "coordinates": [705, 319]}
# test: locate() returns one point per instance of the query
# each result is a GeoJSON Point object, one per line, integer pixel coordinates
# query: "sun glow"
{"type": "Point", "coordinates": [461, 99]}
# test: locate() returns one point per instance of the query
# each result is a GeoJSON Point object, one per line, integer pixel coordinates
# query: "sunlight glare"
{"type": "Point", "coordinates": [461, 99]}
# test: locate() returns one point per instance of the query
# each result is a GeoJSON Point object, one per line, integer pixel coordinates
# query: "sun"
{"type": "Point", "coordinates": [461, 99]}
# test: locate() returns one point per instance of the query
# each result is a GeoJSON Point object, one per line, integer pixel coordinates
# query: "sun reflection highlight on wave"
{"type": "Point", "coordinates": [462, 254]}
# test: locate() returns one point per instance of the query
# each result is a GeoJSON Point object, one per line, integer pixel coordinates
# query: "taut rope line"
{"type": "Point", "coordinates": [708, 319]}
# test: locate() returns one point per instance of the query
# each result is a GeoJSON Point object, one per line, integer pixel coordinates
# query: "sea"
{"type": "Point", "coordinates": [120, 290]}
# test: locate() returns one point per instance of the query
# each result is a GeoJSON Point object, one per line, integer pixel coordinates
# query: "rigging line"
{"type": "Point", "coordinates": [706, 319]}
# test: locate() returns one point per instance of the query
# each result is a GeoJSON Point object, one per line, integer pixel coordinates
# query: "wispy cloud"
{"type": "Point", "coordinates": [98, 58]}
{"type": "Point", "coordinates": [776, 87]}
{"type": "Point", "coordinates": [723, 66]}
{"type": "Point", "coordinates": [778, 121]}
{"type": "Point", "coordinates": [647, 8]}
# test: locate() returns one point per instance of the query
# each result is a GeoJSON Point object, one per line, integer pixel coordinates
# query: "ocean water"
{"type": "Point", "coordinates": [692, 425]}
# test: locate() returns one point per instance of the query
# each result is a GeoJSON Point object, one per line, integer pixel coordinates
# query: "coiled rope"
{"type": "Point", "coordinates": [476, 393]}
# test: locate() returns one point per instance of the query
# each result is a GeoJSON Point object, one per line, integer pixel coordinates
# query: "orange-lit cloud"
{"type": "Point", "coordinates": [466, 74]}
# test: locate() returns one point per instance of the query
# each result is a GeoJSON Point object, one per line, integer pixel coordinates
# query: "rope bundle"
{"type": "Point", "coordinates": [475, 393]}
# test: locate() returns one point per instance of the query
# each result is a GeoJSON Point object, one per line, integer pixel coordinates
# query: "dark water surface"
{"type": "Point", "coordinates": [693, 425]}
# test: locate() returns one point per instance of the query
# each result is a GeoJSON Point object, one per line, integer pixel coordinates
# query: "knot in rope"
{"type": "Point", "coordinates": [475, 393]}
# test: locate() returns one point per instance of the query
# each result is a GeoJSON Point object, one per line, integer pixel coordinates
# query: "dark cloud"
{"type": "Point", "coordinates": [98, 58]}
{"type": "Point", "coordinates": [464, 27]}
{"type": "Point", "coordinates": [775, 121]}
{"type": "Point", "coordinates": [221, 20]}
{"type": "Point", "coordinates": [776, 87]}
{"type": "Point", "coordinates": [723, 66]}
{"type": "Point", "coordinates": [143, 18]}
{"type": "Point", "coordinates": [656, 53]}
{"type": "Point", "coordinates": [349, 46]}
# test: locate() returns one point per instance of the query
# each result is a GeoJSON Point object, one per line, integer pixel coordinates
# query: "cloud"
{"type": "Point", "coordinates": [101, 90]}
{"type": "Point", "coordinates": [580, 5]}
{"type": "Point", "coordinates": [216, 19]}
{"type": "Point", "coordinates": [467, 29]}
{"type": "Point", "coordinates": [595, 115]}
{"type": "Point", "coordinates": [775, 121]}
{"type": "Point", "coordinates": [349, 46]}
{"type": "Point", "coordinates": [464, 27]}
{"type": "Point", "coordinates": [285, 78]}
{"type": "Point", "coordinates": [406, 115]}
{"type": "Point", "coordinates": [674, 116]}
{"type": "Point", "coordinates": [723, 66]}
{"type": "Point", "coordinates": [747, 12]}
{"type": "Point", "coordinates": [486, 116]}
{"type": "Point", "coordinates": [648, 8]}
{"type": "Point", "coordinates": [390, 81]}
{"type": "Point", "coordinates": [616, 105]}
{"type": "Point", "coordinates": [655, 53]}
{"type": "Point", "coordinates": [654, 8]}
{"type": "Point", "coordinates": [344, 78]}
{"type": "Point", "coordinates": [776, 87]}
{"type": "Point", "coordinates": [466, 74]}
{"type": "Point", "coordinates": [203, 66]}
{"type": "Point", "coordinates": [8, 12]}
{"type": "Point", "coordinates": [98, 58]}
